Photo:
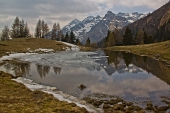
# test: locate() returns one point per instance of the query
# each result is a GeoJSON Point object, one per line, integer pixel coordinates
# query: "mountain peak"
{"type": "Point", "coordinates": [75, 21]}
{"type": "Point", "coordinates": [109, 12]}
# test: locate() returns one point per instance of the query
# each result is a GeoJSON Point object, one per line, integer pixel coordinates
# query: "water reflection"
{"type": "Point", "coordinates": [155, 67]}
{"type": "Point", "coordinates": [18, 68]}
{"type": "Point", "coordinates": [57, 70]}
{"type": "Point", "coordinates": [43, 70]}
{"type": "Point", "coordinates": [122, 74]}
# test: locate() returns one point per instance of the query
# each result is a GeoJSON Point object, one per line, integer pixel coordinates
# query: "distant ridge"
{"type": "Point", "coordinates": [96, 27]}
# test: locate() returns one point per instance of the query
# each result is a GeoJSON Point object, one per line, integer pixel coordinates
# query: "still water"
{"type": "Point", "coordinates": [134, 78]}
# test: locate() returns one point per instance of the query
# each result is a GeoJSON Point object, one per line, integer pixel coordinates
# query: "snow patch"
{"type": "Point", "coordinates": [73, 47]}
{"type": "Point", "coordinates": [15, 55]}
{"type": "Point", "coordinates": [57, 94]}
{"type": "Point", "coordinates": [44, 50]}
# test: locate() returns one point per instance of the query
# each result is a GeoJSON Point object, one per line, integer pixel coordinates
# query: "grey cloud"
{"type": "Point", "coordinates": [62, 11]}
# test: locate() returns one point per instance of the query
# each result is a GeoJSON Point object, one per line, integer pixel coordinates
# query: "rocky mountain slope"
{"type": "Point", "coordinates": [96, 27]}
{"type": "Point", "coordinates": [80, 28]}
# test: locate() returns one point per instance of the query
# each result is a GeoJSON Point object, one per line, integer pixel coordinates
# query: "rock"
{"type": "Point", "coordinates": [118, 107]}
{"type": "Point", "coordinates": [82, 87]}
{"type": "Point", "coordinates": [106, 106]}
{"type": "Point", "coordinates": [149, 107]}
{"type": "Point", "coordinates": [97, 103]}
{"type": "Point", "coordinates": [129, 104]}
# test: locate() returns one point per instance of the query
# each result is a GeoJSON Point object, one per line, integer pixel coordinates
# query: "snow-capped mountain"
{"type": "Point", "coordinates": [80, 28]}
{"type": "Point", "coordinates": [96, 27]}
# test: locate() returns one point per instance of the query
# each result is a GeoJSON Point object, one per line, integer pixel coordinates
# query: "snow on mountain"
{"type": "Point", "coordinates": [70, 25]}
{"type": "Point", "coordinates": [96, 27]}
{"type": "Point", "coordinates": [80, 28]}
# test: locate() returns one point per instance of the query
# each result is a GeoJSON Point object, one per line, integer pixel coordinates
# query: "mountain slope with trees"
{"type": "Point", "coordinates": [156, 24]}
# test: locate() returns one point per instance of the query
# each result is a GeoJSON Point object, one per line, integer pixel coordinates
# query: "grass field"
{"type": "Point", "coordinates": [21, 45]}
{"type": "Point", "coordinates": [156, 50]}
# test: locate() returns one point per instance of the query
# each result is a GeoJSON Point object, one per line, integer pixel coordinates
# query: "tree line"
{"type": "Point", "coordinates": [19, 29]}
{"type": "Point", "coordinates": [117, 38]}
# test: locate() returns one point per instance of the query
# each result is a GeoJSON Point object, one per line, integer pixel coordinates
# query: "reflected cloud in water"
{"type": "Point", "coordinates": [118, 74]}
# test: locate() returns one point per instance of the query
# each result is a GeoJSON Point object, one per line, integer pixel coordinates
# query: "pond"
{"type": "Point", "coordinates": [131, 77]}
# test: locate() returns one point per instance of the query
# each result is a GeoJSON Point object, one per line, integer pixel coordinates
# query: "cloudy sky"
{"type": "Point", "coordinates": [63, 11]}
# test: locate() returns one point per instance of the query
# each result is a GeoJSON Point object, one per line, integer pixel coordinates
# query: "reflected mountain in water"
{"type": "Point", "coordinates": [112, 62]}
{"type": "Point", "coordinates": [113, 73]}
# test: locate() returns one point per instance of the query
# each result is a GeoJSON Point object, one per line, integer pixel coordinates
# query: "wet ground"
{"type": "Point", "coordinates": [99, 77]}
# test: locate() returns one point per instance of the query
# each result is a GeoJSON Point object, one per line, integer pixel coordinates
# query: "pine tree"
{"type": "Point", "coordinates": [139, 39]}
{"type": "Point", "coordinates": [146, 38]}
{"type": "Point", "coordinates": [26, 31]}
{"type": "Point", "coordinates": [38, 30]}
{"type": "Point", "coordinates": [16, 28]}
{"type": "Point", "coordinates": [118, 37]}
{"type": "Point", "coordinates": [67, 38]}
{"type": "Point", "coordinates": [128, 37]}
{"type": "Point", "coordinates": [87, 42]}
{"type": "Point", "coordinates": [58, 27]}
{"type": "Point", "coordinates": [78, 42]}
{"type": "Point", "coordinates": [111, 40]}
{"type": "Point", "coordinates": [22, 25]}
{"type": "Point", "coordinates": [46, 29]}
{"type": "Point", "coordinates": [43, 28]}
{"type": "Point", "coordinates": [72, 38]}
{"type": "Point", "coordinates": [54, 31]}
{"type": "Point", "coordinates": [106, 39]}
{"type": "Point", "coordinates": [5, 33]}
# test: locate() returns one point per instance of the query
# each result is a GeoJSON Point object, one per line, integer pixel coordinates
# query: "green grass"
{"type": "Point", "coordinates": [156, 50]}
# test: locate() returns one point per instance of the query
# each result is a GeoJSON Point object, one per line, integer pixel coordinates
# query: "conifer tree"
{"type": "Point", "coordinates": [118, 37]}
{"type": "Point", "coordinates": [106, 39]}
{"type": "Point", "coordinates": [54, 31]}
{"type": "Point", "coordinates": [22, 25]}
{"type": "Point", "coordinates": [5, 33]}
{"type": "Point", "coordinates": [16, 28]}
{"type": "Point", "coordinates": [78, 42]}
{"type": "Point", "coordinates": [26, 31]}
{"type": "Point", "coordinates": [72, 38]}
{"type": "Point", "coordinates": [128, 37]}
{"type": "Point", "coordinates": [46, 29]}
{"type": "Point", "coordinates": [38, 30]}
{"type": "Point", "coordinates": [111, 40]}
{"type": "Point", "coordinates": [67, 38]}
{"type": "Point", "coordinates": [139, 39]}
{"type": "Point", "coordinates": [87, 42]}
{"type": "Point", "coordinates": [43, 28]}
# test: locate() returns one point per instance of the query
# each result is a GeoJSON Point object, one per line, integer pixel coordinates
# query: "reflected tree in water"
{"type": "Point", "coordinates": [113, 58]}
{"type": "Point", "coordinates": [57, 70]}
{"type": "Point", "coordinates": [128, 57]}
{"type": "Point", "coordinates": [19, 68]}
{"type": "Point", "coordinates": [43, 70]}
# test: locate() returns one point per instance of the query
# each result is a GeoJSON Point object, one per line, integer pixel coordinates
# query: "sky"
{"type": "Point", "coordinates": [64, 11]}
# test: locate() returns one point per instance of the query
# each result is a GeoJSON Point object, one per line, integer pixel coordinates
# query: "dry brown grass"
{"type": "Point", "coordinates": [16, 98]}
{"type": "Point", "coordinates": [21, 45]}
{"type": "Point", "coordinates": [156, 50]}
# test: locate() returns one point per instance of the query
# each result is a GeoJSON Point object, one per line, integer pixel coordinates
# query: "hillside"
{"type": "Point", "coordinates": [156, 50]}
{"type": "Point", "coordinates": [153, 22]}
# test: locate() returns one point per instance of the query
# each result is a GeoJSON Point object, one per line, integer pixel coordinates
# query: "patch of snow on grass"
{"type": "Point", "coordinates": [57, 94]}
{"type": "Point", "coordinates": [73, 47]}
